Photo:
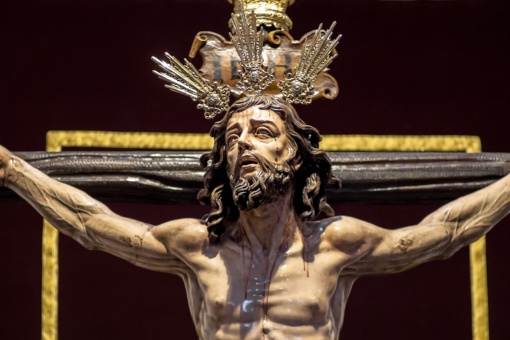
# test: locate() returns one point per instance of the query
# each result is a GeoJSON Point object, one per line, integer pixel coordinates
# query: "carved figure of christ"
{"type": "Point", "coordinates": [258, 267]}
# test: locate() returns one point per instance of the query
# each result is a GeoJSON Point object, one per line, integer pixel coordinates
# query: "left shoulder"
{"type": "Point", "coordinates": [348, 234]}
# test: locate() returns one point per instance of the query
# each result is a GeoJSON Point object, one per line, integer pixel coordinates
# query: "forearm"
{"type": "Point", "coordinates": [438, 236]}
{"type": "Point", "coordinates": [67, 208]}
{"type": "Point", "coordinates": [472, 216]}
{"type": "Point", "coordinates": [86, 220]}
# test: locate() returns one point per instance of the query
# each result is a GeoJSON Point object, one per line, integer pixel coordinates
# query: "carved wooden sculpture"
{"type": "Point", "coordinates": [285, 276]}
{"type": "Point", "coordinates": [260, 257]}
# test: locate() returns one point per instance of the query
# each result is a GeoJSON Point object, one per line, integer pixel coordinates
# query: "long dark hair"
{"type": "Point", "coordinates": [310, 179]}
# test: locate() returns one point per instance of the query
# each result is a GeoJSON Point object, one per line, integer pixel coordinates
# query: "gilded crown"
{"type": "Point", "coordinates": [270, 13]}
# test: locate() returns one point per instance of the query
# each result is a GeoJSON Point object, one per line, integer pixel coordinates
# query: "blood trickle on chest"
{"type": "Point", "coordinates": [253, 288]}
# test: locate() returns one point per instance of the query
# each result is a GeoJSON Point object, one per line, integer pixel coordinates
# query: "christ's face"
{"type": "Point", "coordinates": [251, 133]}
{"type": "Point", "coordinates": [258, 151]}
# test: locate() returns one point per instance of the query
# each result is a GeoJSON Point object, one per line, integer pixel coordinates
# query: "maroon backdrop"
{"type": "Point", "coordinates": [421, 67]}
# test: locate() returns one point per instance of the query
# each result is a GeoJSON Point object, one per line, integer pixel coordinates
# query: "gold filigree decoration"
{"type": "Point", "coordinates": [185, 79]}
{"type": "Point", "coordinates": [316, 56]}
{"type": "Point", "coordinates": [254, 76]}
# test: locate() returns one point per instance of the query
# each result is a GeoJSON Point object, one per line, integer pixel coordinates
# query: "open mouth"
{"type": "Point", "coordinates": [247, 160]}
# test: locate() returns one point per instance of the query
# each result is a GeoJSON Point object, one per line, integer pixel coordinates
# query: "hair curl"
{"type": "Point", "coordinates": [310, 179]}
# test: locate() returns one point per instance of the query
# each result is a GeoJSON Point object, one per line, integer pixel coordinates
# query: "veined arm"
{"type": "Point", "coordinates": [88, 221]}
{"type": "Point", "coordinates": [438, 236]}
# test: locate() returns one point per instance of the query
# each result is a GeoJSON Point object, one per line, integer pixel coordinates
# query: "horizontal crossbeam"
{"type": "Point", "coordinates": [170, 176]}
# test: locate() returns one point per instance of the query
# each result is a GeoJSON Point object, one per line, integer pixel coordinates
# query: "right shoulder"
{"type": "Point", "coordinates": [188, 234]}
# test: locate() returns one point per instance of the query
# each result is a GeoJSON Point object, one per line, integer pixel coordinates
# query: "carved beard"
{"type": "Point", "coordinates": [268, 184]}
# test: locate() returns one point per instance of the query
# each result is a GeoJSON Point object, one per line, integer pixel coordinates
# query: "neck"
{"type": "Point", "coordinates": [271, 227]}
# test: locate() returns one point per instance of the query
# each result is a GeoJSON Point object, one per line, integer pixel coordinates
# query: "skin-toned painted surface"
{"type": "Point", "coordinates": [257, 129]}
{"type": "Point", "coordinates": [411, 68]}
{"type": "Point", "coordinates": [277, 276]}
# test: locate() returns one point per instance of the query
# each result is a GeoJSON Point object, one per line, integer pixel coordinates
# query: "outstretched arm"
{"type": "Point", "coordinates": [438, 236]}
{"type": "Point", "coordinates": [88, 221]}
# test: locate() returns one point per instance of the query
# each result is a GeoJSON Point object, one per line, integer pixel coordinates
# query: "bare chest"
{"type": "Point", "coordinates": [291, 288]}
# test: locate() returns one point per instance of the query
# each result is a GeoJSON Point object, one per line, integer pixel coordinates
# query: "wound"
{"type": "Point", "coordinates": [404, 244]}
{"type": "Point", "coordinates": [138, 242]}
{"type": "Point", "coordinates": [126, 240]}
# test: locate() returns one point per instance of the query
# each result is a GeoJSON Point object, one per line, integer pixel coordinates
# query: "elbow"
{"type": "Point", "coordinates": [85, 241]}
{"type": "Point", "coordinates": [87, 244]}
{"type": "Point", "coordinates": [451, 248]}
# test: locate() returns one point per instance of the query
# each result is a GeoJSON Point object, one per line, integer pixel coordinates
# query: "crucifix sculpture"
{"type": "Point", "coordinates": [260, 118]}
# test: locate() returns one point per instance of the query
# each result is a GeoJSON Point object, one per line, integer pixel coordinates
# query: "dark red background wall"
{"type": "Point", "coordinates": [405, 67]}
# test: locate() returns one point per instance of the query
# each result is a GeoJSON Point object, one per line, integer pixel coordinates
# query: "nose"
{"type": "Point", "coordinates": [244, 143]}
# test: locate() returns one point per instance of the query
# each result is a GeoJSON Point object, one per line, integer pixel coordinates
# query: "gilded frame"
{"type": "Point", "coordinates": [56, 140]}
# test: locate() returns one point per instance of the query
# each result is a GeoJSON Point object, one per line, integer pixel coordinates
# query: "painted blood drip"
{"type": "Point", "coordinates": [267, 286]}
{"type": "Point", "coordinates": [304, 255]}
{"type": "Point", "coordinates": [246, 277]}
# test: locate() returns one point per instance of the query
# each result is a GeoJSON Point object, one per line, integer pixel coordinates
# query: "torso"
{"type": "Point", "coordinates": [240, 293]}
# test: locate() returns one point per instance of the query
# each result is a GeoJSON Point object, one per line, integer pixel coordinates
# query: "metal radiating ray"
{"type": "Point", "coordinates": [186, 79]}
{"type": "Point", "coordinates": [316, 56]}
{"type": "Point", "coordinates": [254, 77]}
